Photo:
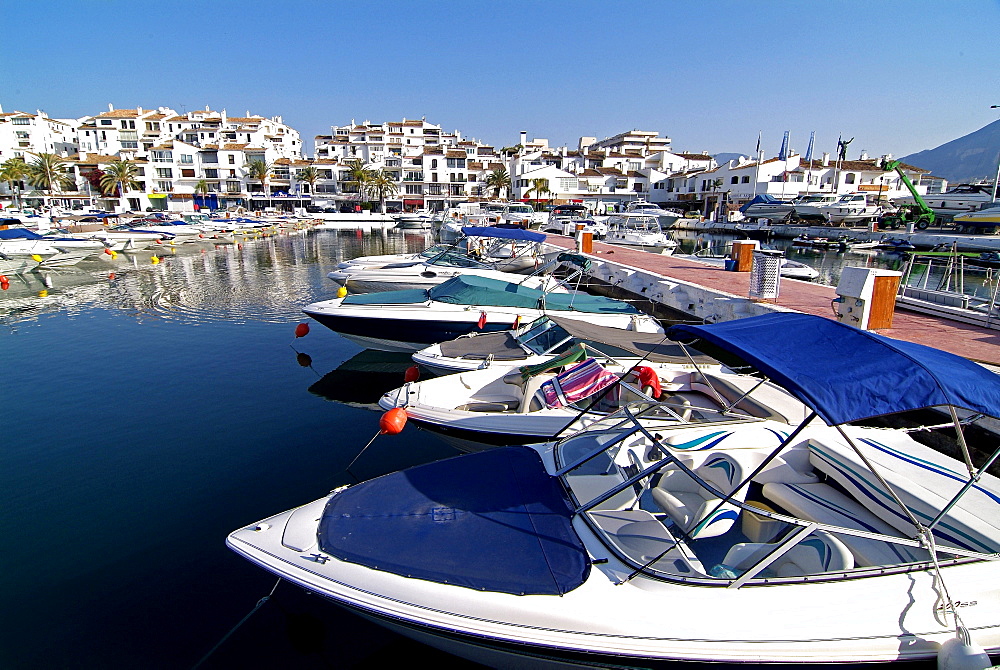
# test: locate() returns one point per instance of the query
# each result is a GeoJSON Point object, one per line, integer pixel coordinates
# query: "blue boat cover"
{"type": "Point", "coordinates": [846, 374]}
{"type": "Point", "coordinates": [762, 198]}
{"type": "Point", "coordinates": [20, 234]}
{"type": "Point", "coordinates": [493, 521]}
{"type": "Point", "coordinates": [505, 233]}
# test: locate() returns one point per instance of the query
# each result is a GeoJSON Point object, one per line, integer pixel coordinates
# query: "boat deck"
{"type": "Point", "coordinates": [966, 340]}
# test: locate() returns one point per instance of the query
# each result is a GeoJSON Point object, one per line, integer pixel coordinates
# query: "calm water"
{"type": "Point", "coordinates": [147, 416]}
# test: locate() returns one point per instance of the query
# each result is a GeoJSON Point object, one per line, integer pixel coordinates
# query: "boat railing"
{"type": "Point", "coordinates": [940, 278]}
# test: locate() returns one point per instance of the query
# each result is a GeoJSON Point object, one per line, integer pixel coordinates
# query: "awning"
{"type": "Point", "coordinates": [413, 202]}
{"type": "Point", "coordinates": [846, 374]}
{"type": "Point", "coordinates": [156, 196]}
{"type": "Point", "coordinates": [493, 520]}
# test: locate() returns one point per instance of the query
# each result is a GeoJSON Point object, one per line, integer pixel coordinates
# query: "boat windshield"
{"type": "Point", "coordinates": [520, 209]}
{"type": "Point", "coordinates": [731, 500]}
{"type": "Point", "coordinates": [453, 258]}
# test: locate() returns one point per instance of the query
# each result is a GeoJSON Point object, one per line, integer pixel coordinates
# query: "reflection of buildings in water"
{"type": "Point", "coordinates": [197, 282]}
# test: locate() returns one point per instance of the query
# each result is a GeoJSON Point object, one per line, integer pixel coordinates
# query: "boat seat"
{"type": "Point", "coordinates": [644, 538]}
{"type": "Point", "coordinates": [730, 392]}
{"type": "Point", "coordinates": [693, 507]}
{"type": "Point", "coordinates": [533, 398]}
{"type": "Point", "coordinates": [818, 553]}
{"type": "Point", "coordinates": [964, 528]}
{"type": "Point", "coordinates": [825, 504]}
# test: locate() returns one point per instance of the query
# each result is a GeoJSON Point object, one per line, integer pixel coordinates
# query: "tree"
{"type": "Point", "coordinates": [539, 187]}
{"type": "Point", "coordinates": [498, 180]}
{"type": "Point", "coordinates": [202, 188]}
{"type": "Point", "coordinates": [309, 175]}
{"type": "Point", "coordinates": [260, 170]}
{"type": "Point", "coordinates": [119, 176]}
{"type": "Point", "coordinates": [358, 174]}
{"type": "Point", "coordinates": [381, 185]}
{"type": "Point", "coordinates": [14, 171]}
{"type": "Point", "coordinates": [49, 172]}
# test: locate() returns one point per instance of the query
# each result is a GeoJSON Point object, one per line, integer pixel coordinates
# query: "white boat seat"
{"type": "Point", "coordinates": [960, 527]}
{"type": "Point", "coordinates": [644, 538]}
{"type": "Point", "coordinates": [816, 554]}
{"type": "Point", "coordinates": [533, 399]}
{"type": "Point", "coordinates": [693, 507]}
{"type": "Point", "coordinates": [824, 504]}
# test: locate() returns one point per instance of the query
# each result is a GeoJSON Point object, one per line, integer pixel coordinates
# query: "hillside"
{"type": "Point", "coordinates": [966, 159]}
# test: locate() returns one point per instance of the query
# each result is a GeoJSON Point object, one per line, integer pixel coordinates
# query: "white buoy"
{"type": "Point", "coordinates": [48, 281]}
{"type": "Point", "coordinates": [959, 653]}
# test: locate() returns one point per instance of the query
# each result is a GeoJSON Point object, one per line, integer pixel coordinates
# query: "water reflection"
{"type": "Point", "coordinates": [267, 279]}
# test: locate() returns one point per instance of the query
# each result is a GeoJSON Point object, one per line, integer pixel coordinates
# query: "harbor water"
{"type": "Point", "coordinates": [149, 410]}
{"type": "Point", "coordinates": [147, 416]}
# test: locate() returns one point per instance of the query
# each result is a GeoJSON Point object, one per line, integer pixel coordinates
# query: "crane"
{"type": "Point", "coordinates": [918, 213]}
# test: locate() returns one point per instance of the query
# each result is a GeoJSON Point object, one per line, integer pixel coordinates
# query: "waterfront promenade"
{"type": "Point", "coordinates": [972, 342]}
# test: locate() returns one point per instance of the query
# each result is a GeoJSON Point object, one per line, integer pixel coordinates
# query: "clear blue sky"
{"type": "Point", "coordinates": [898, 76]}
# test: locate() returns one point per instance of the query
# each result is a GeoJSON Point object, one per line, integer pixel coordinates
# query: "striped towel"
{"type": "Point", "coordinates": [576, 383]}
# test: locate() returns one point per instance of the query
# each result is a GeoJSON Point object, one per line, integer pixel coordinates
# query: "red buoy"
{"type": "Point", "coordinates": [392, 422]}
{"type": "Point", "coordinates": [4, 285]}
{"type": "Point", "coordinates": [302, 330]}
{"type": "Point", "coordinates": [412, 374]}
{"type": "Point", "coordinates": [3, 278]}
{"type": "Point", "coordinates": [111, 276]}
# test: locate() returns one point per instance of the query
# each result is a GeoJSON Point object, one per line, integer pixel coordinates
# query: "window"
{"type": "Point", "coordinates": [105, 122]}
{"type": "Point", "coordinates": [129, 145]}
{"type": "Point", "coordinates": [456, 163]}
{"type": "Point", "coordinates": [187, 172]}
{"type": "Point", "coordinates": [414, 189]}
{"type": "Point", "coordinates": [164, 173]}
{"type": "Point", "coordinates": [233, 187]}
{"type": "Point", "coordinates": [849, 178]}
{"type": "Point", "coordinates": [211, 174]}
{"type": "Point", "coordinates": [745, 180]}
{"type": "Point", "coordinates": [187, 159]}
{"type": "Point", "coordinates": [163, 156]}
{"type": "Point", "coordinates": [209, 157]}
{"type": "Point", "coordinates": [163, 186]}
{"type": "Point", "coordinates": [232, 159]}
{"type": "Point", "coordinates": [21, 121]}
{"type": "Point", "coordinates": [434, 164]}
{"type": "Point", "coordinates": [734, 180]}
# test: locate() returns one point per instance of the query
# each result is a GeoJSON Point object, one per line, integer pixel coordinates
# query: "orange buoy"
{"type": "Point", "coordinates": [107, 251]}
{"type": "Point", "coordinates": [302, 330]}
{"type": "Point", "coordinates": [4, 285]}
{"type": "Point", "coordinates": [392, 422]}
{"type": "Point", "coordinates": [412, 374]}
{"type": "Point", "coordinates": [111, 276]}
{"type": "Point", "coordinates": [3, 278]}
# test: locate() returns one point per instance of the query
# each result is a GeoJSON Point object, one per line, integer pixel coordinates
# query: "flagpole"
{"type": "Point", "coordinates": [756, 173]}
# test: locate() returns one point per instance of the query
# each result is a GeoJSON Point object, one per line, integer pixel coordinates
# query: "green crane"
{"type": "Point", "coordinates": [919, 213]}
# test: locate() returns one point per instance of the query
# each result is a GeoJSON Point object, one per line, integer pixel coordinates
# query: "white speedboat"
{"type": "Point", "coordinates": [768, 207]}
{"type": "Point", "coordinates": [489, 252]}
{"type": "Point", "coordinates": [743, 540]}
{"type": "Point", "coordinates": [807, 206]}
{"type": "Point", "coordinates": [789, 268]}
{"type": "Point", "coordinates": [639, 230]}
{"type": "Point", "coordinates": [410, 320]}
{"type": "Point", "coordinates": [416, 220]}
{"type": "Point", "coordinates": [850, 208]}
{"type": "Point", "coordinates": [46, 251]}
{"type": "Point", "coordinates": [957, 200]}
{"type": "Point", "coordinates": [537, 343]}
{"type": "Point", "coordinates": [566, 225]}
{"type": "Point", "coordinates": [665, 217]}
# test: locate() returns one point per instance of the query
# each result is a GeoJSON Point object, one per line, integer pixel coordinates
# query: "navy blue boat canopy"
{"type": "Point", "coordinates": [846, 374]}
{"type": "Point", "coordinates": [20, 234]}
{"type": "Point", "coordinates": [762, 198]}
{"type": "Point", "coordinates": [505, 233]}
{"type": "Point", "coordinates": [492, 521]}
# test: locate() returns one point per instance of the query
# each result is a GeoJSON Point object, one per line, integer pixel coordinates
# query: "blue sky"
{"type": "Point", "coordinates": [898, 76]}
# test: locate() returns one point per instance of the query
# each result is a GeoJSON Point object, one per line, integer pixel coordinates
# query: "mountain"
{"type": "Point", "coordinates": [966, 159]}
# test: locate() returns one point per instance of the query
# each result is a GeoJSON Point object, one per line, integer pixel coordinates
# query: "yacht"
{"type": "Point", "coordinates": [639, 230]}
{"type": "Point", "coordinates": [850, 208]}
{"type": "Point", "coordinates": [729, 537]}
{"type": "Point", "coordinates": [808, 206]}
{"type": "Point", "coordinates": [665, 217]}
{"type": "Point", "coordinates": [766, 206]}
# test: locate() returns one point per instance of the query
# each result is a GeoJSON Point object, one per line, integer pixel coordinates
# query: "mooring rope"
{"type": "Point", "coordinates": [234, 628]}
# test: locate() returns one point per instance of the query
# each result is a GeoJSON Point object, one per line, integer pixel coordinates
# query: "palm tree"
{"type": "Point", "coordinates": [119, 176]}
{"type": "Point", "coordinates": [202, 188]}
{"type": "Point", "coordinates": [539, 187]}
{"type": "Point", "coordinates": [49, 172]}
{"type": "Point", "coordinates": [382, 185]}
{"type": "Point", "coordinates": [358, 174]}
{"type": "Point", "coordinates": [260, 170]}
{"type": "Point", "coordinates": [309, 175]}
{"type": "Point", "coordinates": [14, 171]}
{"type": "Point", "coordinates": [498, 180]}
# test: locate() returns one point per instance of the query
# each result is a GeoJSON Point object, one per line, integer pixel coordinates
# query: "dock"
{"type": "Point", "coordinates": [708, 293]}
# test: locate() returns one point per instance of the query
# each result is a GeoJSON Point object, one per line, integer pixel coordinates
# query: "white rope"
{"type": "Point", "coordinates": [944, 598]}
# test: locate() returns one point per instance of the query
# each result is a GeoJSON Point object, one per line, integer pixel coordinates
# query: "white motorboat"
{"type": "Point", "coordinates": [639, 230]}
{"type": "Point", "coordinates": [45, 251]}
{"type": "Point", "coordinates": [807, 206]}
{"type": "Point", "coordinates": [124, 238]}
{"type": "Point", "coordinates": [850, 208]}
{"type": "Point", "coordinates": [416, 220]}
{"type": "Point", "coordinates": [567, 225]}
{"type": "Point", "coordinates": [517, 214]}
{"type": "Point", "coordinates": [768, 207]}
{"type": "Point", "coordinates": [533, 343]}
{"type": "Point", "coordinates": [788, 268]}
{"type": "Point", "coordinates": [958, 200]}
{"type": "Point", "coordinates": [665, 217]}
{"type": "Point", "coordinates": [499, 248]}
{"type": "Point", "coordinates": [740, 540]}
{"type": "Point", "coordinates": [412, 319]}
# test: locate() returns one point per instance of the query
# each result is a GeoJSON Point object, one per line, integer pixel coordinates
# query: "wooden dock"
{"type": "Point", "coordinates": [966, 340]}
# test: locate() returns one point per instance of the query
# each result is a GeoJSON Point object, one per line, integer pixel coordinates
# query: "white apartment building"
{"type": "Point", "coordinates": [432, 168]}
